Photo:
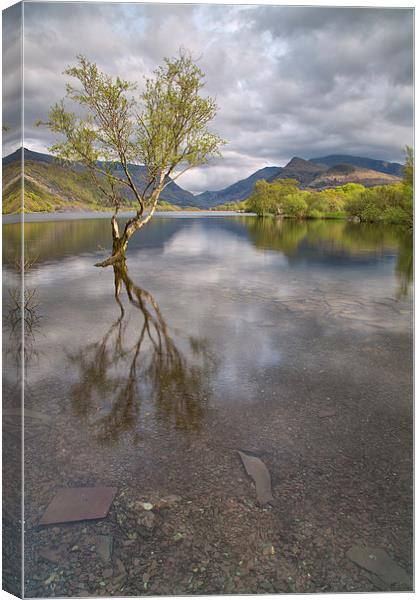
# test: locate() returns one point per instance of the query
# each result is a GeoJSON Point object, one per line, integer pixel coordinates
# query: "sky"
{"type": "Point", "coordinates": [288, 81]}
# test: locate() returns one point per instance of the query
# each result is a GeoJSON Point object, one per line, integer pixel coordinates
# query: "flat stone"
{"type": "Point", "coordinates": [257, 470]}
{"type": "Point", "coordinates": [327, 413]}
{"type": "Point", "coordinates": [268, 550]}
{"type": "Point", "coordinates": [165, 501]}
{"type": "Point", "coordinates": [377, 581]}
{"type": "Point", "coordinates": [120, 566]}
{"type": "Point", "coordinates": [148, 520]}
{"type": "Point", "coordinates": [51, 555]}
{"type": "Point", "coordinates": [172, 499]}
{"type": "Point", "coordinates": [79, 504]}
{"type": "Point", "coordinates": [104, 545]}
{"type": "Point", "coordinates": [378, 562]}
{"type": "Point", "coordinates": [107, 573]}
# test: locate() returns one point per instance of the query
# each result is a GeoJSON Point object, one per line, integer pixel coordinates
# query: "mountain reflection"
{"type": "Point", "coordinates": [136, 364]}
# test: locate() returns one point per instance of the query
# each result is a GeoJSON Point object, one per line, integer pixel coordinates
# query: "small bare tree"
{"type": "Point", "coordinates": [165, 130]}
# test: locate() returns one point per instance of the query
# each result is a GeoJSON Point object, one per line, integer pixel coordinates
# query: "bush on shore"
{"type": "Point", "coordinates": [383, 203]}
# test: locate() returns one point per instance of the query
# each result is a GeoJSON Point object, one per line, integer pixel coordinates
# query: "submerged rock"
{"type": "Point", "coordinates": [261, 476]}
{"type": "Point", "coordinates": [51, 555]}
{"type": "Point", "coordinates": [104, 545]}
{"type": "Point", "coordinates": [148, 520]}
{"type": "Point", "coordinates": [378, 562]}
{"type": "Point", "coordinates": [328, 412]}
{"type": "Point", "coordinates": [79, 504]}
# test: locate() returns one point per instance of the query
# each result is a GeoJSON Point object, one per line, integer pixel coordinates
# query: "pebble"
{"type": "Point", "coordinates": [120, 565]}
{"type": "Point", "coordinates": [107, 573]}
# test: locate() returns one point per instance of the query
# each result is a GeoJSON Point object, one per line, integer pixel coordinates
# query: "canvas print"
{"type": "Point", "coordinates": [207, 299]}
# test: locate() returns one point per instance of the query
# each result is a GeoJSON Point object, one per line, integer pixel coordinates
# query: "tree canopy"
{"type": "Point", "coordinates": [409, 166]}
{"type": "Point", "coordinates": [165, 129]}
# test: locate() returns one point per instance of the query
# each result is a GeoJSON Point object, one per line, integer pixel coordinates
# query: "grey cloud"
{"type": "Point", "coordinates": [288, 80]}
{"type": "Point", "coordinates": [12, 82]}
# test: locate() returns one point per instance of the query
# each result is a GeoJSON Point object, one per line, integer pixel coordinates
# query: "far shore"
{"type": "Point", "coordinates": [75, 215]}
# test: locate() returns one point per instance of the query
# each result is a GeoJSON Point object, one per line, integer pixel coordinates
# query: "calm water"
{"type": "Point", "coordinates": [223, 333]}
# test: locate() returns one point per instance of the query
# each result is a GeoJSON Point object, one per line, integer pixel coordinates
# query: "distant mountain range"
{"type": "Point", "coordinates": [383, 166]}
{"type": "Point", "coordinates": [50, 186]}
{"type": "Point", "coordinates": [237, 191]}
{"type": "Point", "coordinates": [316, 173]}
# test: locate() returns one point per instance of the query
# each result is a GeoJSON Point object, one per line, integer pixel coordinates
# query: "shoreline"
{"type": "Point", "coordinates": [14, 218]}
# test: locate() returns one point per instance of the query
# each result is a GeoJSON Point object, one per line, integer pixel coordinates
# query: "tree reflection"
{"type": "Point", "coordinates": [132, 364]}
{"type": "Point", "coordinates": [22, 315]}
{"type": "Point", "coordinates": [405, 262]}
{"type": "Point", "coordinates": [341, 238]}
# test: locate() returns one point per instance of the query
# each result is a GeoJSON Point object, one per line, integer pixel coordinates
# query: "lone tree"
{"type": "Point", "coordinates": [408, 168]}
{"type": "Point", "coordinates": [165, 130]}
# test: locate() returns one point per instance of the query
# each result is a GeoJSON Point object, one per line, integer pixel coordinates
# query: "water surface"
{"type": "Point", "coordinates": [222, 334]}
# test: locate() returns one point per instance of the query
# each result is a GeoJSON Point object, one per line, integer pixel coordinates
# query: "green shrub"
{"type": "Point", "coordinates": [314, 213]}
{"type": "Point", "coordinates": [267, 197]}
{"type": "Point", "coordinates": [294, 205]}
{"type": "Point", "coordinates": [388, 203]}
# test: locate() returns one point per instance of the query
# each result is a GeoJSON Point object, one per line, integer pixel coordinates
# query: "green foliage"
{"type": "Point", "coordinates": [294, 205]}
{"type": "Point", "coordinates": [283, 197]}
{"type": "Point", "coordinates": [165, 128]}
{"type": "Point", "coordinates": [314, 213]}
{"type": "Point", "coordinates": [173, 126]}
{"type": "Point", "coordinates": [409, 166]}
{"type": "Point", "coordinates": [241, 206]}
{"type": "Point", "coordinates": [268, 198]}
{"type": "Point", "coordinates": [262, 200]}
{"type": "Point", "coordinates": [53, 187]}
{"type": "Point", "coordinates": [388, 203]}
{"type": "Point", "coordinates": [327, 201]}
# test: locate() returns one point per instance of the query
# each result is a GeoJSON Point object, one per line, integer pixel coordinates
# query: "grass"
{"type": "Point", "coordinates": [51, 187]}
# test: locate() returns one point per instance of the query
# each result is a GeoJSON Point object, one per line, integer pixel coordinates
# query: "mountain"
{"type": "Point", "coordinates": [50, 185]}
{"type": "Point", "coordinates": [304, 171]}
{"type": "Point", "coordinates": [345, 173]}
{"type": "Point", "coordinates": [29, 155]}
{"type": "Point", "coordinates": [382, 166]}
{"type": "Point", "coordinates": [312, 173]}
{"type": "Point", "coordinates": [237, 191]}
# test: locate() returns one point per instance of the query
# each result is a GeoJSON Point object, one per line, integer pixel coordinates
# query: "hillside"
{"type": "Point", "coordinates": [51, 186]}
{"type": "Point", "coordinates": [309, 173]}
{"type": "Point", "coordinates": [345, 173]}
{"type": "Point", "coordinates": [304, 171]}
{"type": "Point", "coordinates": [383, 166]}
{"type": "Point", "coordinates": [237, 191]}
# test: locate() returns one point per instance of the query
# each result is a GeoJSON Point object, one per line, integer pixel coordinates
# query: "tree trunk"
{"type": "Point", "coordinates": [118, 246]}
{"type": "Point", "coordinates": [120, 242]}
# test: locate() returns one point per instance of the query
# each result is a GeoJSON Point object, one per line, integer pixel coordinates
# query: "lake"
{"type": "Point", "coordinates": [291, 341]}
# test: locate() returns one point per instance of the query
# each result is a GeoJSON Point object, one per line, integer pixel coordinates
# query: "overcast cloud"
{"type": "Point", "coordinates": [289, 81]}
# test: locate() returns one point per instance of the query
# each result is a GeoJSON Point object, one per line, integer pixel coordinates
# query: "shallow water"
{"type": "Point", "coordinates": [224, 333]}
